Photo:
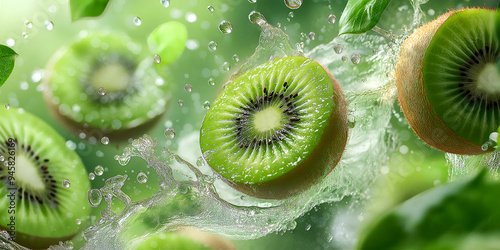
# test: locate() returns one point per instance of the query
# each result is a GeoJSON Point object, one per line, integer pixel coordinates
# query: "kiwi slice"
{"type": "Point", "coordinates": [100, 86]}
{"type": "Point", "coordinates": [43, 184]}
{"type": "Point", "coordinates": [185, 238]}
{"type": "Point", "coordinates": [277, 129]}
{"type": "Point", "coordinates": [448, 81]}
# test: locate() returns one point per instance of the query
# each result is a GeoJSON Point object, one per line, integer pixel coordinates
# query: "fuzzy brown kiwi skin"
{"type": "Point", "coordinates": [413, 99]}
{"type": "Point", "coordinates": [327, 153]}
{"type": "Point", "coordinates": [36, 242]}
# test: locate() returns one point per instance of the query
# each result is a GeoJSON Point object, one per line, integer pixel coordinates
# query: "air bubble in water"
{"type": "Point", "coordinates": [101, 91]}
{"type": "Point", "coordinates": [225, 27]}
{"type": "Point", "coordinates": [105, 140]}
{"type": "Point", "coordinates": [188, 88]}
{"type": "Point", "coordinates": [66, 183]}
{"type": "Point", "coordinates": [293, 4]}
{"type": "Point", "coordinates": [157, 58]}
{"type": "Point", "coordinates": [344, 58]}
{"type": "Point", "coordinates": [137, 21]}
{"type": "Point", "coordinates": [355, 58]}
{"type": "Point", "coordinates": [257, 18]}
{"type": "Point", "coordinates": [226, 66]}
{"type": "Point", "coordinates": [206, 105]}
{"type": "Point", "coordinates": [28, 24]}
{"type": "Point", "coordinates": [169, 133]}
{"type": "Point", "coordinates": [212, 46]}
{"type": "Point", "coordinates": [211, 8]}
{"type": "Point", "coordinates": [332, 18]}
{"type": "Point", "coordinates": [236, 58]}
{"type": "Point", "coordinates": [165, 3]}
{"type": "Point", "coordinates": [94, 197]}
{"type": "Point", "coordinates": [91, 176]}
{"type": "Point", "coordinates": [180, 102]}
{"type": "Point", "coordinates": [98, 170]}
{"type": "Point", "coordinates": [312, 35]}
{"type": "Point", "coordinates": [338, 48]}
{"type": "Point", "coordinates": [49, 25]}
{"type": "Point", "coordinates": [142, 178]}
{"type": "Point", "coordinates": [25, 35]}
{"type": "Point", "coordinates": [7, 106]}
{"type": "Point", "coordinates": [211, 82]}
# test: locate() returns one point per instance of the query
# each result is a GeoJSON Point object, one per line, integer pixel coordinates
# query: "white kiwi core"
{"type": "Point", "coordinates": [112, 77]}
{"type": "Point", "coordinates": [27, 175]}
{"type": "Point", "coordinates": [489, 80]}
{"type": "Point", "coordinates": [268, 119]}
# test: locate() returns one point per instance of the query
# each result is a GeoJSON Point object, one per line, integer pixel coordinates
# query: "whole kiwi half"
{"type": "Point", "coordinates": [448, 81]}
{"type": "Point", "coordinates": [43, 183]}
{"type": "Point", "coordinates": [102, 86]}
{"type": "Point", "coordinates": [277, 129]}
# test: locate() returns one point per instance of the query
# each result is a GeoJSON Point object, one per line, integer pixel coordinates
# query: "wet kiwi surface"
{"type": "Point", "coordinates": [449, 83]}
{"type": "Point", "coordinates": [185, 238]}
{"type": "Point", "coordinates": [43, 184]}
{"type": "Point", "coordinates": [105, 85]}
{"type": "Point", "coordinates": [277, 129]}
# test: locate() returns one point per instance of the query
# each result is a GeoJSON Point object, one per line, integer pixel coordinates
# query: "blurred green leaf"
{"type": "Point", "coordinates": [360, 16]}
{"type": "Point", "coordinates": [87, 8]}
{"type": "Point", "coordinates": [441, 218]}
{"type": "Point", "coordinates": [168, 41]}
{"type": "Point", "coordinates": [7, 57]}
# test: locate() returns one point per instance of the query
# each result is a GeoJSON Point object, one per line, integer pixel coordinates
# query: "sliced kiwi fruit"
{"type": "Point", "coordinates": [277, 129]}
{"type": "Point", "coordinates": [449, 83]}
{"type": "Point", "coordinates": [43, 183]}
{"type": "Point", "coordinates": [102, 86]}
{"type": "Point", "coordinates": [187, 238]}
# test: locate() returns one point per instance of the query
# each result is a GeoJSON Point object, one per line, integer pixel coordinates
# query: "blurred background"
{"type": "Point", "coordinates": [409, 169]}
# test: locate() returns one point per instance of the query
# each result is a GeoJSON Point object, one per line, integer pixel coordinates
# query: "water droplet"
{"type": "Point", "coordinates": [122, 160]}
{"type": "Point", "coordinates": [293, 4]}
{"type": "Point", "coordinates": [169, 133]}
{"type": "Point", "coordinates": [180, 103]}
{"type": "Point", "coordinates": [101, 91]}
{"type": "Point", "coordinates": [10, 42]}
{"type": "Point", "coordinates": [7, 106]}
{"type": "Point", "coordinates": [225, 27]}
{"type": "Point", "coordinates": [312, 36]}
{"type": "Point", "coordinates": [183, 188]}
{"type": "Point", "coordinates": [200, 162]}
{"type": "Point", "coordinates": [257, 18]}
{"type": "Point", "coordinates": [212, 46]}
{"type": "Point", "coordinates": [66, 183]}
{"type": "Point", "coordinates": [165, 3]}
{"type": "Point", "coordinates": [338, 48]}
{"type": "Point", "coordinates": [308, 227]}
{"type": "Point", "coordinates": [94, 196]}
{"type": "Point", "coordinates": [157, 58]}
{"type": "Point", "coordinates": [355, 58]}
{"type": "Point", "coordinates": [98, 170]}
{"type": "Point", "coordinates": [344, 58]}
{"type": "Point", "coordinates": [252, 1]}
{"type": "Point", "coordinates": [351, 121]}
{"type": "Point", "coordinates": [236, 58]}
{"type": "Point", "coordinates": [332, 18]}
{"type": "Point", "coordinates": [49, 25]}
{"type": "Point", "coordinates": [494, 136]}
{"type": "Point", "coordinates": [206, 105]}
{"type": "Point", "coordinates": [78, 221]}
{"type": "Point", "coordinates": [137, 21]}
{"type": "Point", "coordinates": [291, 15]}
{"type": "Point", "coordinates": [25, 35]}
{"type": "Point", "coordinates": [28, 24]}
{"type": "Point", "coordinates": [2, 158]}
{"type": "Point", "coordinates": [91, 176]}
{"type": "Point", "coordinates": [105, 140]}
{"type": "Point", "coordinates": [142, 178]}
{"type": "Point", "coordinates": [211, 8]}
{"type": "Point", "coordinates": [188, 88]}
{"type": "Point", "coordinates": [211, 82]}
{"type": "Point", "coordinates": [485, 146]}
{"type": "Point", "coordinates": [226, 66]}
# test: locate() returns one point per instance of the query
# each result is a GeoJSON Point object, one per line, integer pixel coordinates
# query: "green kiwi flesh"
{"type": "Point", "coordinates": [45, 212]}
{"type": "Point", "coordinates": [277, 129]}
{"type": "Point", "coordinates": [133, 97]}
{"type": "Point", "coordinates": [448, 82]}
{"type": "Point", "coordinates": [185, 238]}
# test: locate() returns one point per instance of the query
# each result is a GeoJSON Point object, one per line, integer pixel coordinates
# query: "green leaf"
{"type": "Point", "coordinates": [168, 41]}
{"type": "Point", "coordinates": [361, 16]}
{"type": "Point", "coordinates": [442, 218]}
{"type": "Point", "coordinates": [87, 8]}
{"type": "Point", "coordinates": [7, 57]}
